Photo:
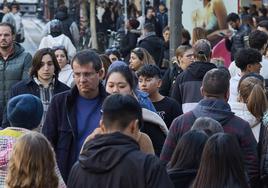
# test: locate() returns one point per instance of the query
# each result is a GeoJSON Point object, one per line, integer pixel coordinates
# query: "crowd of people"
{"type": "Point", "coordinates": [81, 118]}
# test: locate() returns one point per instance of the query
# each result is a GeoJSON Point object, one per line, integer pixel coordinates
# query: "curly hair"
{"type": "Point", "coordinates": [32, 163]}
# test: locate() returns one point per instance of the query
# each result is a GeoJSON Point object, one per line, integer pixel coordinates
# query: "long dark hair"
{"type": "Point", "coordinates": [37, 61]}
{"type": "Point", "coordinates": [221, 164]}
{"type": "Point", "coordinates": [188, 151]}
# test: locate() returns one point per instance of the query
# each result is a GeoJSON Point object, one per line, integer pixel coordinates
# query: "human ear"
{"type": "Point", "coordinates": [102, 126]}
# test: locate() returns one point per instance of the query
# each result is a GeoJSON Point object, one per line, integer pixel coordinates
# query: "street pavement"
{"type": "Point", "coordinates": [33, 32]}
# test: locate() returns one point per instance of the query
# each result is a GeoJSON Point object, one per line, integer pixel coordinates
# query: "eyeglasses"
{"type": "Point", "coordinates": [58, 48]}
{"type": "Point", "coordinates": [86, 75]}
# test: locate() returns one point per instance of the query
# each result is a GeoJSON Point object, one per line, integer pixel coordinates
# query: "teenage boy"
{"type": "Point", "coordinates": [150, 82]}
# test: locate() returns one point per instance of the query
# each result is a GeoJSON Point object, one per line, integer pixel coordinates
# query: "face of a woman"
{"type": "Point", "coordinates": [186, 59]}
{"type": "Point", "coordinates": [166, 35]}
{"type": "Point", "coordinates": [61, 58]}
{"type": "Point", "coordinates": [134, 62]}
{"type": "Point", "coordinates": [117, 83]}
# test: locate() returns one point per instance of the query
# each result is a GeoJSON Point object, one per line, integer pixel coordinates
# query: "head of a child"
{"type": "Point", "coordinates": [149, 77]}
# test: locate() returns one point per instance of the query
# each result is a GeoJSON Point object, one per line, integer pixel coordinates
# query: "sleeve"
{"type": "Point", "coordinates": [27, 66]}
{"type": "Point", "coordinates": [51, 123]}
{"type": "Point", "coordinates": [156, 174]}
{"type": "Point", "coordinates": [228, 44]}
{"type": "Point", "coordinates": [170, 142]}
{"type": "Point", "coordinates": [249, 149]}
{"type": "Point", "coordinates": [166, 84]}
{"type": "Point", "coordinates": [74, 177]}
{"type": "Point", "coordinates": [70, 48]}
{"type": "Point", "coordinates": [75, 33]}
{"type": "Point", "coordinates": [176, 109]}
{"type": "Point", "coordinates": [175, 93]}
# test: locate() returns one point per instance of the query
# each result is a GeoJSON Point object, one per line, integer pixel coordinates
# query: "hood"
{"type": "Point", "coordinates": [154, 118]}
{"type": "Point", "coordinates": [61, 15]}
{"type": "Point", "coordinates": [105, 152]}
{"type": "Point", "coordinates": [198, 69]}
{"type": "Point", "coordinates": [217, 109]}
{"type": "Point", "coordinates": [153, 40]}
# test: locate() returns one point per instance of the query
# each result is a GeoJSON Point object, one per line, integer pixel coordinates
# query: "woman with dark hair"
{"type": "Point", "coordinates": [43, 81]}
{"type": "Point", "coordinates": [120, 79]}
{"type": "Point", "coordinates": [221, 164]}
{"type": "Point", "coordinates": [139, 57]}
{"type": "Point", "coordinates": [66, 72]}
{"type": "Point", "coordinates": [186, 157]}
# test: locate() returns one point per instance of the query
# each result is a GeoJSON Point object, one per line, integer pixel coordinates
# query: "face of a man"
{"type": "Point", "coordinates": [86, 79]}
{"type": "Point", "coordinates": [6, 37]}
{"type": "Point", "coordinates": [150, 13]}
{"type": "Point", "coordinates": [46, 71]}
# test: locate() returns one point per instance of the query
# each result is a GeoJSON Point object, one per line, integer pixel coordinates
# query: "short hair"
{"type": "Point", "coordinates": [88, 57]}
{"type": "Point", "coordinates": [215, 83]}
{"type": "Point", "coordinates": [247, 56]}
{"type": "Point", "coordinates": [232, 17]}
{"type": "Point", "coordinates": [148, 8]}
{"type": "Point", "coordinates": [207, 124]}
{"type": "Point", "coordinates": [149, 27]}
{"type": "Point", "coordinates": [149, 71]}
{"type": "Point", "coordinates": [119, 110]}
{"type": "Point", "coordinates": [264, 24]}
{"type": "Point", "coordinates": [125, 72]}
{"type": "Point", "coordinates": [37, 61]}
{"type": "Point", "coordinates": [257, 39]}
{"type": "Point", "coordinates": [114, 52]}
{"type": "Point", "coordinates": [12, 28]}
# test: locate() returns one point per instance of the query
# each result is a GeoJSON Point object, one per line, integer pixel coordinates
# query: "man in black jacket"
{"type": "Point", "coordinates": [114, 159]}
{"type": "Point", "coordinates": [152, 43]}
{"type": "Point", "coordinates": [73, 115]}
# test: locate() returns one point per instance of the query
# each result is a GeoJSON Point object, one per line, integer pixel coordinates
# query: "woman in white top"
{"type": "Point", "coordinates": [57, 38]}
{"type": "Point", "coordinates": [66, 73]}
{"type": "Point", "coordinates": [252, 101]}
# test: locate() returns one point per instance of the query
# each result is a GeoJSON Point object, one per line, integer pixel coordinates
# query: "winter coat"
{"type": "Point", "coordinates": [115, 161]}
{"type": "Point", "coordinates": [155, 46]}
{"type": "Point", "coordinates": [12, 70]}
{"type": "Point", "coordinates": [60, 128]}
{"type": "Point", "coordinates": [182, 178]}
{"type": "Point", "coordinates": [219, 110]}
{"type": "Point", "coordinates": [29, 86]}
{"type": "Point", "coordinates": [187, 85]}
{"type": "Point", "coordinates": [169, 79]}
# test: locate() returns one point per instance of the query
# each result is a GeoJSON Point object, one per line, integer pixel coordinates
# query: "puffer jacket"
{"type": "Point", "coordinates": [12, 70]}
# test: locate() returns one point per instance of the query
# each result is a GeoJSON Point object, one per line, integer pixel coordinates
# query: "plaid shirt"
{"type": "Point", "coordinates": [8, 138]}
{"type": "Point", "coordinates": [46, 94]}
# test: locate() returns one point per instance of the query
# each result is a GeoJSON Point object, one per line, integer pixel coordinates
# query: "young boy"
{"type": "Point", "coordinates": [150, 81]}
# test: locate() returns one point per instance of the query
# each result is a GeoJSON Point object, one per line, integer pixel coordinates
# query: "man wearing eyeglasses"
{"type": "Point", "coordinates": [74, 114]}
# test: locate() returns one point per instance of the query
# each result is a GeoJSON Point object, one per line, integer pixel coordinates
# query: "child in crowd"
{"type": "Point", "coordinates": [150, 82]}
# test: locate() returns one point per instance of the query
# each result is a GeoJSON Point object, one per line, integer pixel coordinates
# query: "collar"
{"type": "Point", "coordinates": [52, 83]}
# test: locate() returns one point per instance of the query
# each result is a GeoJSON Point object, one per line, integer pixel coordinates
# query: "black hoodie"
{"type": "Point", "coordinates": [114, 160]}
{"type": "Point", "coordinates": [187, 85]}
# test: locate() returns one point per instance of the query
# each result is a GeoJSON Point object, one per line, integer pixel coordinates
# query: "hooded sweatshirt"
{"type": "Point", "coordinates": [187, 85]}
{"type": "Point", "coordinates": [219, 110]}
{"type": "Point", "coordinates": [114, 160]}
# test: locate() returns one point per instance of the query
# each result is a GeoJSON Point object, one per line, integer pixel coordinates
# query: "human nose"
{"type": "Point", "coordinates": [115, 89]}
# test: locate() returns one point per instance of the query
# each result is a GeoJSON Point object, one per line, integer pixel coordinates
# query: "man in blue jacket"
{"type": "Point", "coordinates": [74, 114]}
{"type": "Point", "coordinates": [215, 92]}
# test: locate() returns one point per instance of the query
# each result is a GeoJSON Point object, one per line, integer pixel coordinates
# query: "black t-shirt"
{"type": "Point", "coordinates": [168, 109]}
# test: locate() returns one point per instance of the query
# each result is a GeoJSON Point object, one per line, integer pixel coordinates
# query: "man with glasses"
{"type": "Point", "coordinates": [74, 114]}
